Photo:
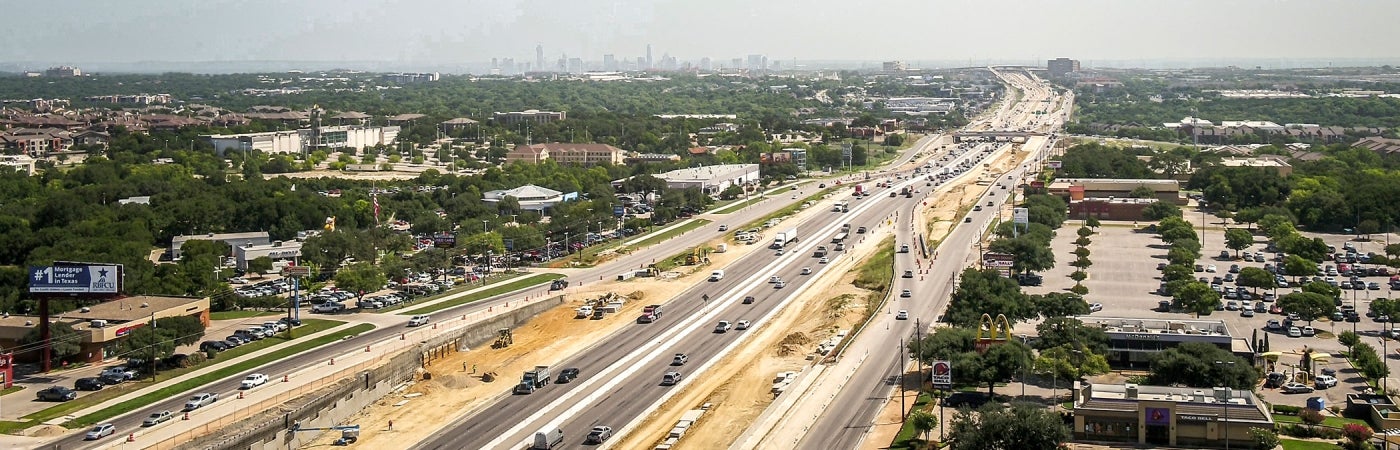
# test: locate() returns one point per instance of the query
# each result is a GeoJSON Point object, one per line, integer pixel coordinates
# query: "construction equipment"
{"type": "Point", "coordinates": [503, 338]}
{"type": "Point", "coordinates": [698, 255]}
{"type": "Point", "coordinates": [348, 433]}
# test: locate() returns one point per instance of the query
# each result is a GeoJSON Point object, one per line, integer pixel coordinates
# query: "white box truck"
{"type": "Point", "coordinates": [782, 239]}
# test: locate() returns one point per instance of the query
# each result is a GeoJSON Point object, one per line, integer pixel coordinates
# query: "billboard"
{"type": "Point", "coordinates": [1001, 262]}
{"type": "Point", "coordinates": [1054, 164]}
{"type": "Point", "coordinates": [1021, 216]}
{"type": "Point", "coordinates": [80, 278]}
{"type": "Point", "coordinates": [619, 211]}
{"type": "Point", "coordinates": [445, 240]}
{"type": "Point", "coordinates": [942, 374]}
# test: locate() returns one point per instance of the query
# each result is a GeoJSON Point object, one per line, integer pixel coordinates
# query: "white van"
{"type": "Point", "coordinates": [547, 439]}
{"type": "Point", "coordinates": [717, 275]}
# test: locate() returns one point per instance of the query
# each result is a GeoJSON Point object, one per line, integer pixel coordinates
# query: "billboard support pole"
{"type": "Point", "coordinates": [45, 335]}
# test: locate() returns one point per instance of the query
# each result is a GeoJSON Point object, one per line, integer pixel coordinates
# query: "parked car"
{"type": "Point", "coordinates": [1296, 388]}
{"type": "Point", "coordinates": [120, 371]}
{"type": "Point", "coordinates": [212, 346]}
{"type": "Point", "coordinates": [88, 384]}
{"type": "Point", "coordinates": [1325, 381]}
{"type": "Point", "coordinates": [1095, 307]}
{"type": "Point", "coordinates": [57, 394]}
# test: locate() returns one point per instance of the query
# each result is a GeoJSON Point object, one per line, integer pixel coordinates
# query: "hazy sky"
{"type": "Point", "coordinates": [440, 31]}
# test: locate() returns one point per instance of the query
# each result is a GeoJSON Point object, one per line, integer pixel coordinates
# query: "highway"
{"type": "Point", "coordinates": [228, 388]}
{"type": "Point", "coordinates": [620, 375]}
{"type": "Point", "coordinates": [846, 420]}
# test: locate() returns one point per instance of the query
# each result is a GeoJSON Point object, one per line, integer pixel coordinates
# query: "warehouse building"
{"type": "Point", "coordinates": [232, 239]}
{"type": "Point", "coordinates": [303, 140]}
{"type": "Point", "coordinates": [710, 179]}
{"type": "Point", "coordinates": [281, 253]}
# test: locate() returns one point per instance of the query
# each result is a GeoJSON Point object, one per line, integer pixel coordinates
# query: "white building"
{"type": "Point", "coordinates": [22, 163]}
{"type": "Point", "coordinates": [298, 141]}
{"type": "Point", "coordinates": [920, 106]}
{"type": "Point", "coordinates": [530, 197]}
{"type": "Point", "coordinates": [232, 239]}
{"type": "Point", "coordinates": [711, 179]}
{"type": "Point", "coordinates": [279, 251]}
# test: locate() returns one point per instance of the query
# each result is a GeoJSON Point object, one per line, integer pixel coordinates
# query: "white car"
{"type": "Point", "coordinates": [1095, 307]}
{"type": "Point", "coordinates": [780, 285]}
{"type": "Point", "coordinates": [680, 359]}
{"type": "Point", "coordinates": [252, 381]}
{"type": "Point", "coordinates": [1210, 268]}
{"type": "Point", "coordinates": [824, 260]}
{"type": "Point", "coordinates": [806, 270]}
{"type": "Point", "coordinates": [100, 431]}
{"type": "Point", "coordinates": [902, 315]}
{"type": "Point", "coordinates": [670, 378]}
{"type": "Point", "coordinates": [156, 418]}
{"type": "Point", "coordinates": [199, 400]}
{"type": "Point", "coordinates": [418, 321]}
{"type": "Point", "coordinates": [906, 293]}
{"type": "Point", "coordinates": [741, 325]}
{"type": "Point", "coordinates": [774, 279]}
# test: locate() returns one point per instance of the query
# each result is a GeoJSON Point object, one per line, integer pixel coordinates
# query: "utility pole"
{"type": "Point", "coordinates": [154, 336]}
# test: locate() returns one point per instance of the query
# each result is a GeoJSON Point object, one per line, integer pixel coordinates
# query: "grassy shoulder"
{"type": "Point", "coordinates": [877, 272]}
{"type": "Point", "coordinates": [244, 314]}
{"type": "Point", "coordinates": [495, 278]}
{"type": "Point", "coordinates": [498, 289]}
{"type": "Point", "coordinates": [787, 210]}
{"type": "Point", "coordinates": [662, 236]}
{"type": "Point", "coordinates": [212, 376]}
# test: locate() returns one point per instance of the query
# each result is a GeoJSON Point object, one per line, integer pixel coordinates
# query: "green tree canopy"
{"type": "Point", "coordinates": [1021, 427]}
{"type": "Point", "coordinates": [1192, 364]}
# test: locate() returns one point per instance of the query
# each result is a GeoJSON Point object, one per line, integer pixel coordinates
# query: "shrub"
{"type": "Point", "coordinates": [1263, 438]}
{"type": "Point", "coordinates": [1311, 416]}
{"type": "Point", "coordinates": [1079, 289]}
{"type": "Point", "coordinates": [1289, 410]}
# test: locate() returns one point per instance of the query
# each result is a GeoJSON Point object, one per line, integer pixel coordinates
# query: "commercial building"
{"type": "Point", "coordinates": [710, 179]}
{"type": "Point", "coordinates": [1109, 208]}
{"type": "Point", "coordinates": [920, 106]}
{"type": "Point", "coordinates": [530, 197]}
{"type": "Point", "coordinates": [63, 72]}
{"type": "Point", "coordinates": [529, 115]}
{"type": "Point", "coordinates": [232, 239]}
{"type": "Point", "coordinates": [566, 153]}
{"type": "Point", "coordinates": [1076, 189]}
{"type": "Point", "coordinates": [281, 252]}
{"type": "Point", "coordinates": [893, 66]}
{"type": "Point", "coordinates": [1169, 416]}
{"type": "Point", "coordinates": [306, 139]}
{"type": "Point", "coordinates": [651, 158]}
{"type": "Point", "coordinates": [406, 78]}
{"type": "Point", "coordinates": [1274, 163]}
{"type": "Point", "coordinates": [101, 327]}
{"type": "Point", "coordinates": [1060, 67]}
{"type": "Point", "coordinates": [1132, 341]}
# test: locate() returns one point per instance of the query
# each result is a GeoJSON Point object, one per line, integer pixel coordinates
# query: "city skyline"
{"type": "Point", "coordinates": [470, 34]}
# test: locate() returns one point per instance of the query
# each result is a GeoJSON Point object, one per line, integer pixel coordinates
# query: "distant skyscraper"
{"type": "Point", "coordinates": [757, 62]}
{"type": "Point", "coordinates": [648, 56]}
{"type": "Point", "coordinates": [539, 57]}
{"type": "Point", "coordinates": [609, 63]}
{"type": "Point", "coordinates": [705, 65]}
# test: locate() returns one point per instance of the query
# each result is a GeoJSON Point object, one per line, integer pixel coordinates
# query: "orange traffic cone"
{"type": "Point", "coordinates": [240, 395]}
{"type": "Point", "coordinates": [131, 437]}
{"type": "Point", "coordinates": [366, 349]}
{"type": "Point", "coordinates": [284, 378]}
{"type": "Point", "coordinates": [187, 416]}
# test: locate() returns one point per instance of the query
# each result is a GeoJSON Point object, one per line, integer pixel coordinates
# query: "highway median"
{"type": "Point", "coordinates": [512, 286]}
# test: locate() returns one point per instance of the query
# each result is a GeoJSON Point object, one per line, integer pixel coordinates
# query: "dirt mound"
{"type": "Point", "coordinates": [796, 338]}
{"type": "Point", "coordinates": [45, 431]}
{"type": "Point", "coordinates": [636, 295]}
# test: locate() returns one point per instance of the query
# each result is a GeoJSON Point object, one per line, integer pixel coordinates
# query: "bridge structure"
{"type": "Point", "coordinates": [999, 136]}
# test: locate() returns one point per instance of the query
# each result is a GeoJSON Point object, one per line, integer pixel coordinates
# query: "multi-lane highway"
{"type": "Point", "coordinates": [228, 388]}
{"type": "Point", "coordinates": [848, 417]}
{"type": "Point", "coordinates": [620, 377]}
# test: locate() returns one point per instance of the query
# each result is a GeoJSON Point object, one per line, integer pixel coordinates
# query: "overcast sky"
{"type": "Point", "coordinates": [461, 31]}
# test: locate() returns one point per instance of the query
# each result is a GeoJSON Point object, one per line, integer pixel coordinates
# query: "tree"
{"type": "Point", "coordinates": [1392, 250]}
{"type": "Point", "coordinates": [330, 249]}
{"type": "Point", "coordinates": [360, 278]}
{"type": "Point", "coordinates": [1192, 364]}
{"type": "Point", "coordinates": [1078, 276]}
{"type": "Point", "coordinates": [1175, 272]}
{"type": "Point", "coordinates": [1028, 255]}
{"type": "Point", "coordinates": [1064, 362]}
{"type": "Point", "coordinates": [1160, 210]}
{"type": "Point", "coordinates": [1092, 222]}
{"type": "Point", "coordinates": [1022, 427]}
{"type": "Point", "coordinates": [1081, 263]}
{"type": "Point", "coordinates": [260, 265]}
{"type": "Point", "coordinates": [1348, 338]}
{"type": "Point", "coordinates": [1307, 305]}
{"type": "Point", "coordinates": [1178, 234]}
{"type": "Point", "coordinates": [184, 330]}
{"type": "Point", "coordinates": [1276, 226]}
{"type": "Point", "coordinates": [731, 192]}
{"type": "Point", "coordinates": [1358, 436]}
{"type": "Point", "coordinates": [1000, 363]}
{"type": "Point", "coordinates": [1297, 266]}
{"type": "Point", "coordinates": [924, 422]}
{"type": "Point", "coordinates": [1238, 239]}
{"type": "Point", "coordinates": [1059, 304]}
{"type": "Point", "coordinates": [148, 342]}
{"type": "Point", "coordinates": [1256, 278]}
{"type": "Point", "coordinates": [1263, 438]}
{"type": "Point", "coordinates": [1198, 298]}
{"type": "Point", "coordinates": [1323, 288]}
{"type": "Point", "coordinates": [1071, 332]}
{"type": "Point", "coordinates": [63, 341]}
{"type": "Point", "coordinates": [1082, 242]}
{"type": "Point", "coordinates": [1084, 232]}
{"type": "Point", "coordinates": [1368, 227]}
{"type": "Point", "coordinates": [987, 292]}
{"type": "Point", "coordinates": [1181, 256]}
{"type": "Point", "coordinates": [1142, 191]}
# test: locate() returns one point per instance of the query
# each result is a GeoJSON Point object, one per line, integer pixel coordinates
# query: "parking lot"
{"type": "Point", "coordinates": [1124, 279]}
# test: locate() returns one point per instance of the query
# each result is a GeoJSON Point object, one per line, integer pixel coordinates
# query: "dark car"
{"type": "Point", "coordinates": [111, 379]}
{"type": "Point", "coordinates": [57, 394]}
{"type": "Point", "coordinates": [88, 384]}
{"type": "Point", "coordinates": [217, 346]}
{"type": "Point", "coordinates": [970, 399]}
{"type": "Point", "coordinates": [567, 375]}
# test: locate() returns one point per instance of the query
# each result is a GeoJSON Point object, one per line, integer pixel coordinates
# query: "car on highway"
{"type": "Point", "coordinates": [99, 432]}
{"type": "Point", "coordinates": [967, 219]}
{"type": "Point", "coordinates": [902, 315]}
{"type": "Point", "coordinates": [418, 321]}
{"type": "Point", "coordinates": [680, 359]}
{"type": "Point", "coordinates": [860, 230]}
{"type": "Point", "coordinates": [977, 208]}
{"type": "Point", "coordinates": [908, 274]}
{"type": "Point", "coordinates": [88, 384]}
{"type": "Point", "coordinates": [824, 260]}
{"type": "Point", "coordinates": [1095, 307]}
{"type": "Point", "coordinates": [567, 375]}
{"type": "Point", "coordinates": [1296, 388]}
{"type": "Point", "coordinates": [723, 326]}
{"type": "Point", "coordinates": [906, 293]}
{"type": "Point", "coordinates": [741, 325]}
{"type": "Point", "coordinates": [57, 394]}
{"type": "Point", "coordinates": [252, 381]}
{"type": "Point", "coordinates": [200, 400]}
{"type": "Point", "coordinates": [780, 285]}
{"type": "Point", "coordinates": [806, 270]}
{"type": "Point", "coordinates": [598, 435]}
{"type": "Point", "coordinates": [156, 418]}
{"type": "Point", "coordinates": [670, 378]}
{"type": "Point", "coordinates": [774, 279]}
{"type": "Point", "coordinates": [723, 228]}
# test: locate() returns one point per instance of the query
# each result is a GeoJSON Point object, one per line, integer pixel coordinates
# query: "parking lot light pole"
{"type": "Point", "coordinates": [1225, 405]}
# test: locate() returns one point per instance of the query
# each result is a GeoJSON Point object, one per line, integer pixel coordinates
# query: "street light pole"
{"type": "Point", "coordinates": [1225, 405]}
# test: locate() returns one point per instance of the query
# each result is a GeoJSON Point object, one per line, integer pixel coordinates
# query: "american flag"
{"type": "Point", "coordinates": [376, 208]}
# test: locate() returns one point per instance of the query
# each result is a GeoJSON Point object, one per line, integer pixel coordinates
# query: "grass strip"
{"type": "Point", "coordinates": [790, 209]}
{"type": "Point", "coordinates": [200, 380]}
{"type": "Point", "coordinates": [522, 283]}
{"type": "Point", "coordinates": [1292, 444]}
{"type": "Point", "coordinates": [498, 277]}
{"type": "Point", "coordinates": [1334, 422]}
{"type": "Point", "coordinates": [244, 314]}
{"type": "Point", "coordinates": [908, 438]}
{"type": "Point", "coordinates": [658, 237]}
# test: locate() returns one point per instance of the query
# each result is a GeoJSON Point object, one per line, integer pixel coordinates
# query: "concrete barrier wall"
{"type": "Point", "coordinates": [332, 405]}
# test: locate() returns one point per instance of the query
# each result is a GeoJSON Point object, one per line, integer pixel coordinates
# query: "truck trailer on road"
{"type": "Point", "coordinates": [533, 379]}
{"type": "Point", "coordinates": [782, 239]}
